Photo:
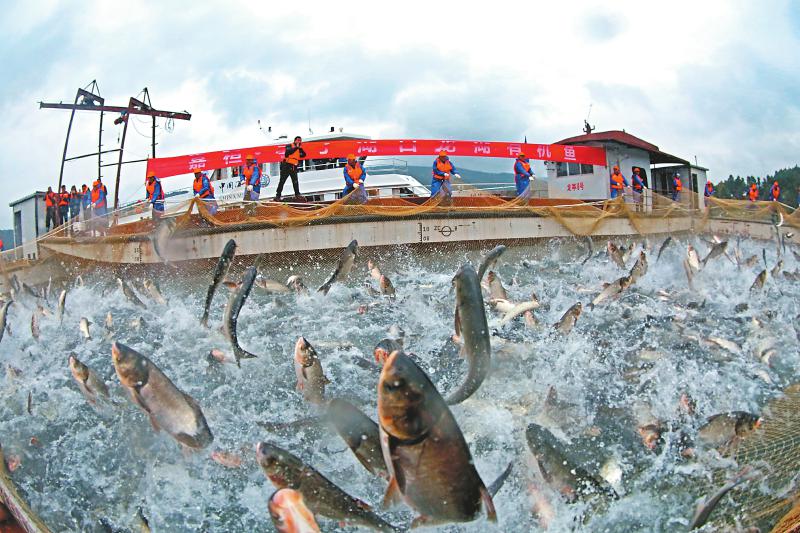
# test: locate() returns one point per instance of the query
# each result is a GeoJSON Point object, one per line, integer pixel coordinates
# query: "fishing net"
{"type": "Point", "coordinates": [579, 218]}
{"type": "Point", "coordinates": [773, 451]}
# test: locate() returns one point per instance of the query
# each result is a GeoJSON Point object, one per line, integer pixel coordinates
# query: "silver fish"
{"type": "Point", "coordinates": [343, 267]}
{"type": "Point", "coordinates": [387, 289]}
{"type": "Point", "coordinates": [169, 409]}
{"type": "Point", "coordinates": [777, 268]}
{"type": "Point", "coordinates": [220, 271]}
{"type": "Point", "coordinates": [692, 258]}
{"type": "Point", "coordinates": [129, 294]}
{"type": "Point", "coordinates": [717, 250]}
{"type": "Point", "coordinates": [4, 318]}
{"type": "Point", "coordinates": [519, 309]}
{"type": "Point", "coordinates": [231, 316]}
{"type": "Point", "coordinates": [161, 237]}
{"type": "Point", "coordinates": [490, 259]}
{"type": "Point", "coordinates": [639, 268]}
{"type": "Point", "coordinates": [84, 326]}
{"type": "Point", "coordinates": [311, 379]}
{"type": "Point", "coordinates": [296, 284]}
{"type": "Point", "coordinates": [495, 286]}
{"type": "Point", "coordinates": [62, 302]}
{"type": "Point", "coordinates": [568, 320]}
{"type": "Point", "coordinates": [705, 509]}
{"type": "Point", "coordinates": [760, 280]}
{"type": "Point", "coordinates": [663, 247]}
{"type": "Point", "coordinates": [35, 331]}
{"type": "Point", "coordinates": [471, 325]}
{"type": "Point", "coordinates": [90, 385]}
{"type": "Point", "coordinates": [270, 285]}
{"type": "Point", "coordinates": [154, 291]}
{"type": "Point", "coordinates": [615, 254]}
{"type": "Point", "coordinates": [611, 290]}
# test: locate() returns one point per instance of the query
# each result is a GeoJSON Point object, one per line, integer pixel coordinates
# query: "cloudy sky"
{"type": "Point", "coordinates": [719, 80]}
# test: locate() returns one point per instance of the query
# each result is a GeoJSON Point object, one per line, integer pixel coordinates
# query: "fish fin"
{"type": "Point", "coordinates": [188, 441]}
{"type": "Point", "coordinates": [488, 504]}
{"type": "Point", "coordinates": [153, 423]}
{"type": "Point", "coordinates": [326, 380]}
{"type": "Point", "coordinates": [497, 484]}
{"type": "Point", "coordinates": [393, 495]}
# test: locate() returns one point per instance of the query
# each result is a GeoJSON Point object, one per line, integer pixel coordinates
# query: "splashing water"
{"type": "Point", "coordinates": [89, 465]}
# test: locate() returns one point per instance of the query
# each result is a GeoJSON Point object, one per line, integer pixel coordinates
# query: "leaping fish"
{"type": "Point", "coordinates": [235, 304]}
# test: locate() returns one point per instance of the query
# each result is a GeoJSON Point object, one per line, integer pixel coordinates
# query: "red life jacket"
{"type": "Point", "coordinates": [776, 191]}
{"type": "Point", "coordinates": [617, 181]}
{"type": "Point", "coordinates": [63, 199]}
{"type": "Point", "coordinates": [354, 173]}
{"type": "Point", "coordinates": [525, 165]}
{"type": "Point", "coordinates": [636, 186]}
{"type": "Point", "coordinates": [709, 187]}
{"type": "Point", "coordinates": [753, 193]}
{"type": "Point", "coordinates": [50, 199]}
{"type": "Point", "coordinates": [677, 184]}
{"type": "Point", "coordinates": [198, 186]}
{"type": "Point", "coordinates": [446, 167]}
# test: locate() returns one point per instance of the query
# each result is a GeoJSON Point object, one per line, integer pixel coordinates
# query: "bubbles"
{"type": "Point", "coordinates": [626, 361]}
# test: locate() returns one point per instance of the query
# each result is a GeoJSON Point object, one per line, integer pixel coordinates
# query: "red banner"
{"type": "Point", "coordinates": [185, 164]}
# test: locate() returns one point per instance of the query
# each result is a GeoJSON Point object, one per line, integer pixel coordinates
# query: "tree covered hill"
{"type": "Point", "coordinates": [787, 178]}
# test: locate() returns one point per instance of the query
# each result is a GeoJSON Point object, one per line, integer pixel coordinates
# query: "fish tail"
{"type": "Point", "coordinates": [495, 487]}
{"type": "Point", "coordinates": [325, 288]}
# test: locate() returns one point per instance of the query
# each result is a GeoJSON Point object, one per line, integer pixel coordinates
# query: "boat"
{"type": "Point", "coordinates": [320, 180]}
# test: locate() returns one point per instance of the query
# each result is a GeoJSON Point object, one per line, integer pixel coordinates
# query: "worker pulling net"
{"type": "Point", "coordinates": [579, 218]}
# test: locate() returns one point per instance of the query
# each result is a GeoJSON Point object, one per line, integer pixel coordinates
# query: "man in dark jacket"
{"type": "Point", "coordinates": [291, 158]}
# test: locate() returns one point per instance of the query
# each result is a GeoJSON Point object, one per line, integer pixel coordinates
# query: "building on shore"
{"type": "Point", "coordinates": [592, 182]}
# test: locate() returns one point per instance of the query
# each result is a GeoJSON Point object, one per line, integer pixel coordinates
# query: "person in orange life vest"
{"type": "Point", "coordinates": [618, 182]}
{"type": "Point", "coordinates": [636, 181]}
{"type": "Point", "coordinates": [51, 204]}
{"type": "Point", "coordinates": [204, 191]}
{"type": "Point", "coordinates": [251, 177]}
{"type": "Point", "coordinates": [99, 198]}
{"type": "Point", "coordinates": [63, 205]}
{"type": "Point", "coordinates": [775, 191]}
{"type": "Point", "coordinates": [155, 195]}
{"type": "Point", "coordinates": [752, 193]}
{"type": "Point", "coordinates": [677, 187]}
{"type": "Point", "coordinates": [354, 177]}
{"type": "Point", "coordinates": [292, 155]}
{"type": "Point", "coordinates": [1, 245]}
{"type": "Point", "coordinates": [709, 190]}
{"type": "Point", "coordinates": [443, 169]}
{"type": "Point", "coordinates": [523, 173]}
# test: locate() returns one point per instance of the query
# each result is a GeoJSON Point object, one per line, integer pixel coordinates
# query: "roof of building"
{"type": "Point", "coordinates": [622, 137]}
{"type": "Point", "coordinates": [26, 198]}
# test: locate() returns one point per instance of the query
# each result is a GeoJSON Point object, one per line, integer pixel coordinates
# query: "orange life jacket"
{"type": "Point", "coordinates": [354, 173]}
{"type": "Point", "coordinates": [678, 186]}
{"type": "Point", "coordinates": [446, 167]}
{"type": "Point", "coordinates": [294, 158]}
{"type": "Point", "coordinates": [526, 166]}
{"type": "Point", "coordinates": [776, 191]}
{"type": "Point", "coordinates": [50, 199]}
{"type": "Point", "coordinates": [753, 193]}
{"type": "Point", "coordinates": [247, 172]}
{"type": "Point", "coordinates": [63, 199]}
{"type": "Point", "coordinates": [198, 186]}
{"type": "Point", "coordinates": [617, 182]}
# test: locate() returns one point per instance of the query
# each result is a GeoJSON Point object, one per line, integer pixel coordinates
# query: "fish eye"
{"type": "Point", "coordinates": [394, 384]}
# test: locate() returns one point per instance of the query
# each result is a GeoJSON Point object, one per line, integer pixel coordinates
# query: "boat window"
{"type": "Point", "coordinates": [572, 169]}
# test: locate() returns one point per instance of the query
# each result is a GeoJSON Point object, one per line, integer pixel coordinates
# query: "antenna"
{"type": "Point", "coordinates": [588, 129]}
{"type": "Point", "coordinates": [269, 128]}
